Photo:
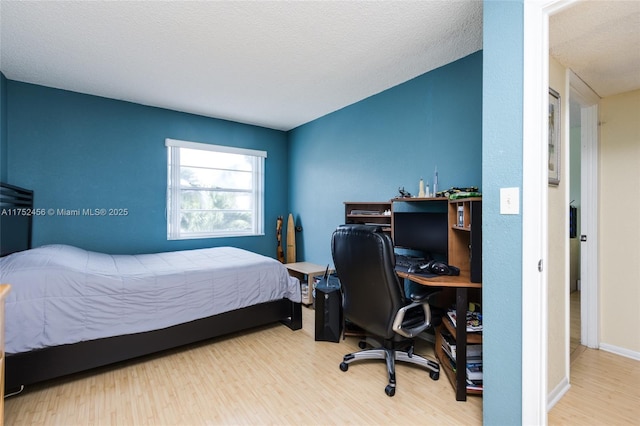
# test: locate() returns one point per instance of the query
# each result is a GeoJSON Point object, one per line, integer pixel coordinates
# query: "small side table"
{"type": "Point", "coordinates": [309, 270]}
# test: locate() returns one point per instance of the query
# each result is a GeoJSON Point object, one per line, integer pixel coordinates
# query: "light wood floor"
{"type": "Point", "coordinates": [604, 391]}
{"type": "Point", "coordinates": [275, 376]}
{"type": "Point", "coordinates": [269, 376]}
{"type": "Point", "coordinates": [604, 388]}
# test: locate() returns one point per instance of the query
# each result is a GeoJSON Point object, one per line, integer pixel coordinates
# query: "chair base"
{"type": "Point", "coordinates": [391, 355]}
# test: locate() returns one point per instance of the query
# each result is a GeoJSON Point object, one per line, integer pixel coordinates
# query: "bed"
{"type": "Point", "coordinates": [71, 310]}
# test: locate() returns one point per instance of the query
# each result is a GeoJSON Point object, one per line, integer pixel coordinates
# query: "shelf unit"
{"type": "Point", "coordinates": [457, 377]}
{"type": "Point", "coordinates": [465, 252]}
{"type": "Point", "coordinates": [368, 213]}
{"type": "Point", "coordinates": [463, 286]}
{"type": "Point", "coordinates": [465, 236]}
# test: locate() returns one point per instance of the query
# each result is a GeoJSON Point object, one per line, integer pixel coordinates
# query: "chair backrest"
{"type": "Point", "coordinates": [364, 260]}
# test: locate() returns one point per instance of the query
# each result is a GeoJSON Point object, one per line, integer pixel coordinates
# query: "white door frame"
{"type": "Point", "coordinates": [534, 207]}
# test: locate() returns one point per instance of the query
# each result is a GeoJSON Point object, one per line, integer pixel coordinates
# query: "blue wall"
{"type": "Point", "coordinates": [366, 151]}
{"type": "Point", "coordinates": [76, 151]}
{"type": "Point", "coordinates": [85, 152]}
{"type": "Point", "coordinates": [502, 234]}
{"type": "Point", "coordinates": [3, 128]}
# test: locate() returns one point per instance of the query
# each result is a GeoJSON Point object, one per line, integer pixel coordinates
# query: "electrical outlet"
{"type": "Point", "coordinates": [509, 200]}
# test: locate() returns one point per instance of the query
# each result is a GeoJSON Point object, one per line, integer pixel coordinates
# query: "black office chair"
{"type": "Point", "coordinates": [374, 299]}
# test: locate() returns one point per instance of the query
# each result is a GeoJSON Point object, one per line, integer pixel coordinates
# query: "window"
{"type": "Point", "coordinates": [214, 191]}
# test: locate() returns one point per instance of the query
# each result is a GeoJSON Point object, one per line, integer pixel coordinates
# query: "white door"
{"type": "Point", "coordinates": [588, 101]}
{"type": "Point", "coordinates": [589, 227]}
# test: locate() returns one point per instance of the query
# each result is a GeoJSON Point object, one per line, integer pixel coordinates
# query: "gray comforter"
{"type": "Point", "coordinates": [62, 294]}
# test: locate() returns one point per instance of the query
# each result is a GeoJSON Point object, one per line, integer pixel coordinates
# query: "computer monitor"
{"type": "Point", "coordinates": [426, 232]}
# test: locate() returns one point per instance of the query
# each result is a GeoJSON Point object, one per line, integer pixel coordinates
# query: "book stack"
{"type": "Point", "coordinates": [474, 374]}
{"type": "Point", "coordinates": [474, 351]}
{"type": "Point", "coordinates": [449, 346]}
{"type": "Point", "coordinates": [474, 320]}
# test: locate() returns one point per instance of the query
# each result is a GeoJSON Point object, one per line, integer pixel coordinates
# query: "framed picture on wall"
{"type": "Point", "coordinates": [554, 137]}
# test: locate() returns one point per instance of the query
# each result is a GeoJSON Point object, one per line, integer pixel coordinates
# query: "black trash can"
{"type": "Point", "coordinates": [328, 305]}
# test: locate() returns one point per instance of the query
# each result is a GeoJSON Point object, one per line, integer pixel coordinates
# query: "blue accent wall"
{"type": "Point", "coordinates": [80, 151]}
{"type": "Point", "coordinates": [85, 152]}
{"type": "Point", "coordinates": [366, 151]}
{"type": "Point", "coordinates": [502, 234]}
{"type": "Point", "coordinates": [3, 128]}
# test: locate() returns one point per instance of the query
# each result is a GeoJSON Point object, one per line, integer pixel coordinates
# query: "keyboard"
{"type": "Point", "coordinates": [403, 263]}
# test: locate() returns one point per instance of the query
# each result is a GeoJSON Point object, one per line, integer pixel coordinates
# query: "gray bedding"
{"type": "Point", "coordinates": [62, 294]}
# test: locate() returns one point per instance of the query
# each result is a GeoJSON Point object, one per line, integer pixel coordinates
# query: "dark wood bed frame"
{"type": "Point", "coordinates": [26, 368]}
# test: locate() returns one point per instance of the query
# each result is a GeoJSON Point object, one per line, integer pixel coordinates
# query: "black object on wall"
{"type": "Point", "coordinates": [573, 222]}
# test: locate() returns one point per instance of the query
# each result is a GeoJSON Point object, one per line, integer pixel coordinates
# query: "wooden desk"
{"type": "Point", "coordinates": [461, 283]}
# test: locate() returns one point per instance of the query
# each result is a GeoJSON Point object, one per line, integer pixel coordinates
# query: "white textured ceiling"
{"type": "Point", "coordinates": [600, 42]}
{"type": "Point", "coordinates": [274, 64]}
{"type": "Point", "coordinates": [283, 63]}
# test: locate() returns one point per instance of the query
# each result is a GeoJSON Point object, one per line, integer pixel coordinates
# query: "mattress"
{"type": "Point", "coordinates": [62, 294]}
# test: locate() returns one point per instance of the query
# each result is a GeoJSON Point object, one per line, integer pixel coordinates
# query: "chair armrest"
{"type": "Point", "coordinates": [413, 331]}
{"type": "Point", "coordinates": [427, 294]}
{"type": "Point", "coordinates": [419, 296]}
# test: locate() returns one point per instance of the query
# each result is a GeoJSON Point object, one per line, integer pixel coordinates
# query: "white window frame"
{"type": "Point", "coordinates": [173, 192]}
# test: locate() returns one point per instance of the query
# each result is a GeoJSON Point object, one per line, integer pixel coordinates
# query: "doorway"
{"type": "Point", "coordinates": [535, 106]}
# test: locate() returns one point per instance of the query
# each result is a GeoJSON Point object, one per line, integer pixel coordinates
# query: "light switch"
{"type": "Point", "coordinates": [509, 200]}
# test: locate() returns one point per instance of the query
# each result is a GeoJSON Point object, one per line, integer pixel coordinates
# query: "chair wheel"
{"type": "Point", "coordinates": [390, 390]}
{"type": "Point", "coordinates": [362, 344]}
{"type": "Point", "coordinates": [435, 375]}
{"type": "Point", "coordinates": [344, 366]}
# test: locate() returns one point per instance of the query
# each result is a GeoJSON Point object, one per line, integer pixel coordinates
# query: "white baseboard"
{"type": "Point", "coordinates": [557, 393]}
{"type": "Point", "coordinates": [620, 351]}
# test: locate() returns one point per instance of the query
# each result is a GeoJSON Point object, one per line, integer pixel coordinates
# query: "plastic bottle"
{"type": "Point", "coordinates": [435, 182]}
